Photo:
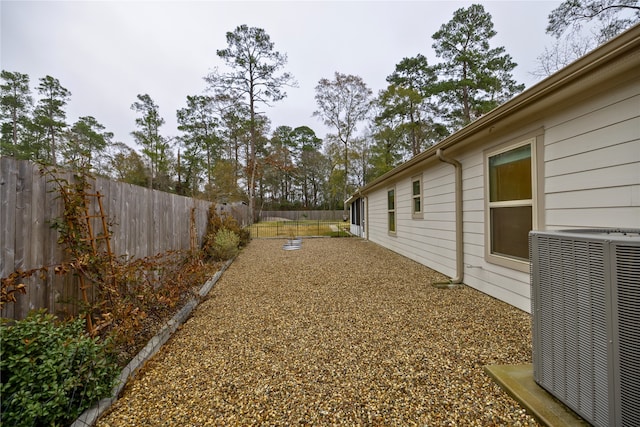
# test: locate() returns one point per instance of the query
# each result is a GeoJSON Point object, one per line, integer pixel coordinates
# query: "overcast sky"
{"type": "Point", "coordinates": [107, 52]}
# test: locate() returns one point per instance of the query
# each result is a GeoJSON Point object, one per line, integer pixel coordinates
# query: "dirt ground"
{"type": "Point", "coordinates": [340, 332]}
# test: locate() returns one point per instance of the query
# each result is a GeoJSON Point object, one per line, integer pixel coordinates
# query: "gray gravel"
{"type": "Point", "coordinates": [340, 332]}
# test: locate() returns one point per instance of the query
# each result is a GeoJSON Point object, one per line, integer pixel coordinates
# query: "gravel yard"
{"type": "Point", "coordinates": [340, 332]}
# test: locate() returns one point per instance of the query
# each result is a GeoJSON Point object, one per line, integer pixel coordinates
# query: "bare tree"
{"type": "Point", "coordinates": [580, 26]}
{"type": "Point", "coordinates": [342, 104]}
{"type": "Point", "coordinates": [614, 16]}
{"type": "Point", "coordinates": [562, 53]}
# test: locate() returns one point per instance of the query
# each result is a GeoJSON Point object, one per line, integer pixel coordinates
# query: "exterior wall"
{"type": "Point", "coordinates": [592, 163]}
{"type": "Point", "coordinates": [590, 177]}
{"type": "Point", "coordinates": [500, 282]}
{"type": "Point", "coordinates": [430, 240]}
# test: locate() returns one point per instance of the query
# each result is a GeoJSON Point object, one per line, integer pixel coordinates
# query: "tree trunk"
{"type": "Point", "coordinates": [252, 159]}
{"type": "Point", "coordinates": [346, 180]}
{"type": "Point", "coordinates": [15, 128]}
{"type": "Point", "coordinates": [52, 146]}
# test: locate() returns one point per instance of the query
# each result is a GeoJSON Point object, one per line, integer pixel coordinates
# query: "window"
{"type": "Point", "coordinates": [416, 198]}
{"type": "Point", "coordinates": [510, 202]}
{"type": "Point", "coordinates": [391, 210]}
{"type": "Point", "coordinates": [356, 211]}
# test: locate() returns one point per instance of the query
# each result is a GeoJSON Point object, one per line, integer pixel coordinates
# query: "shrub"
{"type": "Point", "coordinates": [225, 244]}
{"type": "Point", "coordinates": [51, 372]}
{"type": "Point", "coordinates": [217, 223]}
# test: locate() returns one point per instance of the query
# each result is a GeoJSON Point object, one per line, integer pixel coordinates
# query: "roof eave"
{"type": "Point", "coordinates": [625, 43]}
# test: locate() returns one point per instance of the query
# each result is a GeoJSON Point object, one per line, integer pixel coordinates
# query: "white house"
{"type": "Point", "coordinates": [563, 154]}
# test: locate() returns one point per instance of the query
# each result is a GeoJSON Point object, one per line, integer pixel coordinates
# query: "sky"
{"type": "Point", "coordinates": [107, 52]}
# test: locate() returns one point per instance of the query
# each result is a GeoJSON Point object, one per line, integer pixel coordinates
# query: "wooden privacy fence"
{"type": "Point", "coordinates": [142, 222]}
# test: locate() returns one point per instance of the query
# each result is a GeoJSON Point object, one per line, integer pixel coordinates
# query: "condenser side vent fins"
{"type": "Point", "coordinates": [585, 288]}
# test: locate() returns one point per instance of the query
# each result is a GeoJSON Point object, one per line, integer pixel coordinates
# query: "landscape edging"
{"type": "Point", "coordinates": [91, 415]}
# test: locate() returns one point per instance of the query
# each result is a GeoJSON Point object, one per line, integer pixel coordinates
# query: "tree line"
{"type": "Point", "coordinates": [227, 151]}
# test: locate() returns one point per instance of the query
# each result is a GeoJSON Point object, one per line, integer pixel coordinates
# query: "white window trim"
{"type": "Point", "coordinates": [417, 214]}
{"type": "Point", "coordinates": [394, 210]}
{"type": "Point", "coordinates": [506, 261]}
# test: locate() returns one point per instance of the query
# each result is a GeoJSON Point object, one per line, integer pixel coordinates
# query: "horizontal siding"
{"type": "Point", "coordinates": [376, 216]}
{"type": "Point", "coordinates": [594, 218]}
{"type": "Point", "coordinates": [429, 240]}
{"type": "Point", "coordinates": [598, 139]}
{"type": "Point", "coordinates": [512, 287]}
{"type": "Point", "coordinates": [621, 105]}
{"type": "Point", "coordinates": [624, 196]}
{"type": "Point", "coordinates": [614, 176]}
{"type": "Point", "coordinates": [591, 178]}
{"type": "Point", "coordinates": [606, 157]}
{"type": "Point", "coordinates": [592, 164]}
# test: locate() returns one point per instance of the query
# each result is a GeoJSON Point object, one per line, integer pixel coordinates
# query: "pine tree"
{"type": "Point", "coordinates": [50, 116]}
{"type": "Point", "coordinates": [15, 107]}
{"type": "Point", "coordinates": [475, 78]}
{"type": "Point", "coordinates": [154, 146]}
{"type": "Point", "coordinates": [254, 80]}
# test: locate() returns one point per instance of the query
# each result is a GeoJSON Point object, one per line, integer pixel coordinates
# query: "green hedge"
{"type": "Point", "coordinates": [51, 371]}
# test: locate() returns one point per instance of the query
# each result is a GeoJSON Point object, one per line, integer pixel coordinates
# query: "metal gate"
{"type": "Point", "coordinates": [305, 228]}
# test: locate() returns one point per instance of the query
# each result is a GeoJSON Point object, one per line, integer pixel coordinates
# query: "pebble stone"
{"type": "Point", "coordinates": [341, 332]}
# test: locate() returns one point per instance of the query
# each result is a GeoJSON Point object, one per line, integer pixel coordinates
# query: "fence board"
{"type": "Point", "coordinates": [143, 222]}
{"type": "Point", "coordinates": [154, 231]}
{"type": "Point", "coordinates": [53, 252]}
{"type": "Point", "coordinates": [8, 195]}
{"type": "Point", "coordinates": [23, 230]}
{"type": "Point", "coordinates": [49, 240]}
{"type": "Point", "coordinates": [22, 212]}
{"type": "Point", "coordinates": [8, 177]}
{"type": "Point", "coordinates": [36, 287]}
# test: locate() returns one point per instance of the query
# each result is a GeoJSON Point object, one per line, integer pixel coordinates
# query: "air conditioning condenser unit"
{"type": "Point", "coordinates": [585, 288]}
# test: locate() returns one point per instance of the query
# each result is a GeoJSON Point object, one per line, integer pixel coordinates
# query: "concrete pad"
{"type": "Point", "coordinates": [518, 382]}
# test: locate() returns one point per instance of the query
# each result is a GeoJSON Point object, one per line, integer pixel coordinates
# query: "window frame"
{"type": "Point", "coordinates": [392, 211]}
{"type": "Point", "coordinates": [417, 214]}
{"type": "Point", "coordinates": [502, 259]}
